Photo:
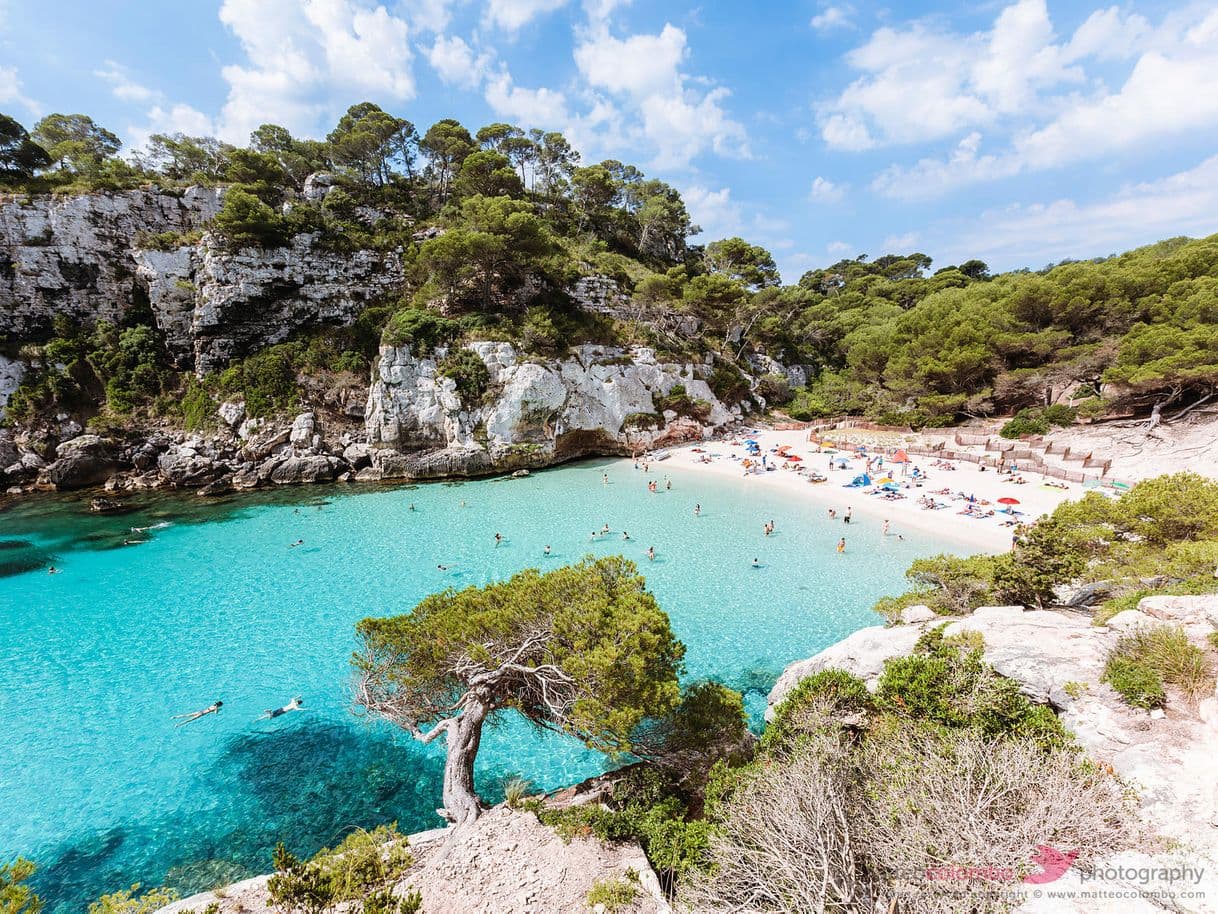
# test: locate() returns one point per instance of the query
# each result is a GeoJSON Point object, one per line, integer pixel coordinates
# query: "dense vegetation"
{"type": "Point", "coordinates": [495, 225]}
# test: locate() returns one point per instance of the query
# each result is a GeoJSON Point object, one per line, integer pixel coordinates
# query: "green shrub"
{"type": "Point", "coordinates": [1137, 682]}
{"type": "Point", "coordinates": [128, 902]}
{"type": "Point", "coordinates": [830, 694]}
{"type": "Point", "coordinates": [1024, 423]}
{"type": "Point", "coordinates": [1141, 662]}
{"type": "Point", "coordinates": [245, 221]}
{"type": "Point", "coordinates": [267, 379]}
{"type": "Point", "coordinates": [515, 790]}
{"type": "Point", "coordinates": [614, 894]}
{"type": "Point", "coordinates": [360, 873]}
{"type": "Point", "coordinates": [728, 384]}
{"type": "Point", "coordinates": [944, 684]}
{"type": "Point", "coordinates": [420, 329]}
{"type": "Point", "coordinates": [470, 373]}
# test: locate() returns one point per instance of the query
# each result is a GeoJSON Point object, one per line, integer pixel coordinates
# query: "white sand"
{"type": "Point", "coordinates": [905, 515]}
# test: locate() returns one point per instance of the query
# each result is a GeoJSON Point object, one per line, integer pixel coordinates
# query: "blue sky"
{"type": "Point", "coordinates": [1020, 131]}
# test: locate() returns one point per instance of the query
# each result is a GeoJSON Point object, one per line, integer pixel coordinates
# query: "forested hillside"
{"type": "Point", "coordinates": [494, 227]}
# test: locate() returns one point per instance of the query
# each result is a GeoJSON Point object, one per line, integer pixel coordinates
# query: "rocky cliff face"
{"type": "Point", "coordinates": [80, 256]}
{"type": "Point", "coordinates": [600, 400]}
{"type": "Point", "coordinates": [74, 254]}
{"type": "Point", "coordinates": [214, 304]}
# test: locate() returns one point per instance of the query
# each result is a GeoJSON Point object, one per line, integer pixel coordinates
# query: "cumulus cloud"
{"type": "Point", "coordinates": [11, 93]}
{"type": "Point", "coordinates": [1015, 99]}
{"type": "Point", "coordinates": [456, 63]}
{"type": "Point", "coordinates": [510, 15]}
{"type": "Point", "coordinates": [825, 191]}
{"type": "Point", "coordinates": [541, 107]}
{"type": "Point", "coordinates": [832, 17]}
{"type": "Point", "coordinates": [675, 114]}
{"type": "Point", "coordinates": [308, 58]}
{"type": "Point", "coordinates": [123, 86]}
{"type": "Point", "coordinates": [714, 210]}
{"type": "Point", "coordinates": [170, 119]}
{"type": "Point", "coordinates": [1032, 234]}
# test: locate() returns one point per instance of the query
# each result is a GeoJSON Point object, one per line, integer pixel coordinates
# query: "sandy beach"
{"type": "Point", "coordinates": [905, 515]}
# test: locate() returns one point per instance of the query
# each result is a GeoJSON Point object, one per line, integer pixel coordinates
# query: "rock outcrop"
{"type": "Point", "coordinates": [601, 400]}
{"type": "Point", "coordinates": [1167, 759]}
{"type": "Point", "coordinates": [214, 304]}
{"type": "Point", "coordinates": [74, 254]}
{"type": "Point", "coordinates": [504, 863]}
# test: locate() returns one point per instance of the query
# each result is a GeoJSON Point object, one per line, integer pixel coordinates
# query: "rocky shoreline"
{"type": "Point", "coordinates": [602, 401]}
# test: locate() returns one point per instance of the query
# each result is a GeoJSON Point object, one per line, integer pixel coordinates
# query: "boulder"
{"type": "Point", "coordinates": [87, 460]}
{"type": "Point", "coordinates": [232, 412]}
{"type": "Point", "coordinates": [313, 468]}
{"type": "Point", "coordinates": [183, 467]}
{"type": "Point", "coordinates": [359, 455]}
{"type": "Point", "coordinates": [861, 654]}
{"type": "Point", "coordinates": [919, 613]}
{"type": "Point", "coordinates": [301, 435]}
{"type": "Point", "coordinates": [1041, 650]}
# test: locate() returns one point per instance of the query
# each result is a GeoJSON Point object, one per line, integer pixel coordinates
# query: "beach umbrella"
{"type": "Point", "coordinates": [1008, 500]}
{"type": "Point", "coordinates": [900, 457]}
{"type": "Point", "coordinates": [793, 457]}
{"type": "Point", "coordinates": [885, 479]}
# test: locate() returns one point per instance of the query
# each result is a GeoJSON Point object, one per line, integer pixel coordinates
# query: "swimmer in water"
{"type": "Point", "coordinates": [625, 535]}
{"type": "Point", "coordinates": [756, 564]}
{"type": "Point", "coordinates": [604, 479]}
{"type": "Point", "coordinates": [605, 529]}
{"type": "Point", "coordinates": [547, 550]}
{"type": "Point", "coordinates": [651, 553]}
{"type": "Point", "coordinates": [296, 704]}
{"type": "Point", "coordinates": [498, 539]}
{"type": "Point", "coordinates": [442, 568]}
{"type": "Point", "coordinates": [697, 510]}
{"type": "Point", "coordinates": [195, 715]}
{"type": "Point", "coordinates": [667, 483]}
{"type": "Point", "coordinates": [841, 545]}
{"type": "Point", "coordinates": [412, 506]}
{"type": "Point", "coordinates": [52, 570]}
{"type": "Point", "coordinates": [295, 544]}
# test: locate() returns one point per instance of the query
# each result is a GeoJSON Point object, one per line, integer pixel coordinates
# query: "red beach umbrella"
{"type": "Point", "coordinates": [1008, 500]}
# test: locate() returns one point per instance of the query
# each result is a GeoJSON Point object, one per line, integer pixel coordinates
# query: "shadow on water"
{"type": "Point", "coordinates": [307, 786]}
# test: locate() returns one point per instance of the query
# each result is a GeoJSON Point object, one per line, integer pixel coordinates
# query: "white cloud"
{"type": "Point", "coordinates": [832, 17]}
{"type": "Point", "coordinates": [920, 83]}
{"type": "Point", "coordinates": [169, 120]}
{"type": "Point", "coordinates": [640, 64]}
{"type": "Point", "coordinates": [510, 15]}
{"type": "Point", "coordinates": [679, 116]}
{"type": "Point", "coordinates": [1183, 203]}
{"type": "Point", "coordinates": [1172, 90]}
{"type": "Point", "coordinates": [10, 91]}
{"type": "Point", "coordinates": [430, 15]}
{"type": "Point", "coordinates": [1108, 35]}
{"type": "Point", "coordinates": [542, 107]}
{"type": "Point", "coordinates": [123, 86]}
{"type": "Point", "coordinates": [838, 249]}
{"type": "Point", "coordinates": [307, 59]}
{"type": "Point", "coordinates": [456, 64]}
{"type": "Point", "coordinates": [894, 244]}
{"type": "Point", "coordinates": [825, 191]}
{"type": "Point", "coordinates": [714, 210]}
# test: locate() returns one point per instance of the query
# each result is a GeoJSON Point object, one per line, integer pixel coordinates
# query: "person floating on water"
{"type": "Point", "coordinates": [442, 568]}
{"type": "Point", "coordinates": [625, 535]}
{"type": "Point", "coordinates": [295, 544]}
{"type": "Point", "coordinates": [498, 539]}
{"type": "Point", "coordinates": [547, 550]}
{"type": "Point", "coordinates": [52, 570]}
{"type": "Point", "coordinates": [651, 553]}
{"type": "Point", "coordinates": [841, 545]}
{"type": "Point", "coordinates": [195, 715]}
{"type": "Point", "coordinates": [756, 564]}
{"type": "Point", "coordinates": [296, 704]}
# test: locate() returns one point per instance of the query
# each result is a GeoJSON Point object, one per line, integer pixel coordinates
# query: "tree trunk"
{"type": "Point", "coordinates": [461, 803]}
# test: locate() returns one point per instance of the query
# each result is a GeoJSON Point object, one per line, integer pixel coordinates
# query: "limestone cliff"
{"type": "Point", "coordinates": [599, 400]}
{"type": "Point", "coordinates": [75, 254]}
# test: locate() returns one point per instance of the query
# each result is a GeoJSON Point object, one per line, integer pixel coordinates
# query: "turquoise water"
{"type": "Point", "coordinates": [100, 788]}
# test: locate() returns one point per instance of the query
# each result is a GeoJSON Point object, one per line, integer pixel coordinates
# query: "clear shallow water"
{"type": "Point", "coordinates": [100, 788]}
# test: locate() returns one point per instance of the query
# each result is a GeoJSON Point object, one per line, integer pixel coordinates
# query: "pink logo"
{"type": "Point", "coordinates": [1052, 862]}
